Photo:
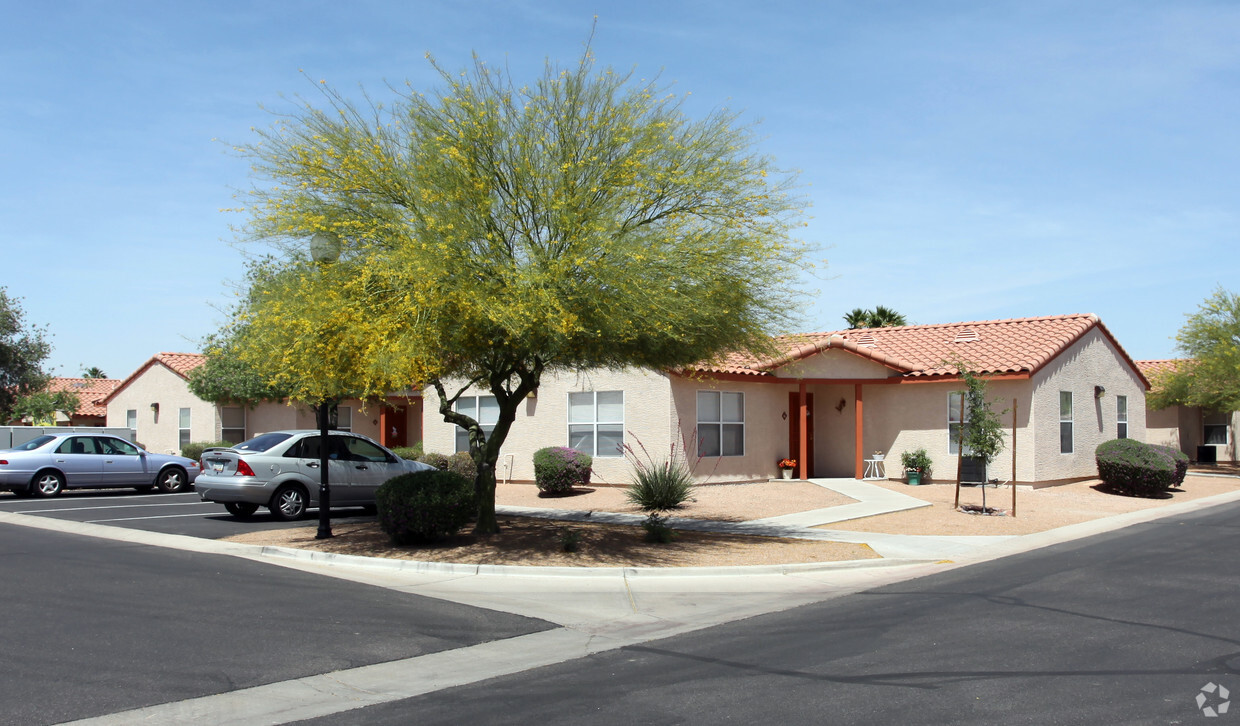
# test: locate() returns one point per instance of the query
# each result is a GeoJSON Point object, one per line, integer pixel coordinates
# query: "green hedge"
{"type": "Point", "coordinates": [193, 450]}
{"type": "Point", "coordinates": [1129, 466]}
{"type": "Point", "coordinates": [557, 469]}
{"type": "Point", "coordinates": [1179, 458]}
{"type": "Point", "coordinates": [425, 506]}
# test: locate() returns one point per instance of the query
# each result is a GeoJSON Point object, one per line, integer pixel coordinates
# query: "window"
{"type": "Point", "coordinates": [721, 423]}
{"type": "Point", "coordinates": [131, 419]}
{"type": "Point", "coordinates": [184, 424]}
{"type": "Point", "coordinates": [344, 418]}
{"type": "Point", "coordinates": [954, 422]}
{"type": "Point", "coordinates": [596, 422]}
{"type": "Point", "coordinates": [1065, 422]}
{"type": "Point", "coordinates": [78, 445]}
{"type": "Point", "coordinates": [1121, 417]}
{"type": "Point", "coordinates": [232, 424]}
{"type": "Point", "coordinates": [483, 409]}
{"type": "Point", "coordinates": [1215, 429]}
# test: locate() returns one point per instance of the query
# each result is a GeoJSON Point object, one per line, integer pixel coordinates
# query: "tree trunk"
{"type": "Point", "coordinates": [484, 487]}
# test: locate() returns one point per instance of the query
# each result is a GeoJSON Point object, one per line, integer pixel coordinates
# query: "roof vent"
{"type": "Point", "coordinates": [968, 335]}
{"type": "Point", "coordinates": [866, 341]}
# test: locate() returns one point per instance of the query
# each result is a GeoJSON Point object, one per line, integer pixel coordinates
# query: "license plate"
{"type": "Point", "coordinates": [217, 468]}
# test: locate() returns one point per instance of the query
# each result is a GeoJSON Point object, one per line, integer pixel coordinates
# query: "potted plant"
{"type": "Point", "coordinates": [916, 464]}
{"type": "Point", "coordinates": [786, 466]}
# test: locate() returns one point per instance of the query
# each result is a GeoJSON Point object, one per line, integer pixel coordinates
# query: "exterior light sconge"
{"type": "Point", "coordinates": [1099, 391]}
{"type": "Point", "coordinates": [839, 407]}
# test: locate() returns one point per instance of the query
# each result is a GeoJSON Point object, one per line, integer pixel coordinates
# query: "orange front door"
{"type": "Point", "coordinates": [794, 430]}
{"type": "Point", "coordinates": [394, 426]}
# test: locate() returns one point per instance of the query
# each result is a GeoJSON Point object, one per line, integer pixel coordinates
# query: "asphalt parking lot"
{"type": "Point", "coordinates": [167, 513]}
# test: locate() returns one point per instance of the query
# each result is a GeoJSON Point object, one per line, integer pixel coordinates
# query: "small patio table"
{"type": "Point", "coordinates": [875, 470]}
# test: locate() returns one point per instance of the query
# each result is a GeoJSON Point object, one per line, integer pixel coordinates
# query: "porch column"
{"type": "Point", "coordinates": [859, 427]}
{"type": "Point", "coordinates": [803, 443]}
{"type": "Point", "coordinates": [383, 424]}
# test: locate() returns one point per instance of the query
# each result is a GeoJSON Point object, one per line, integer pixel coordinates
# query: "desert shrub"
{"type": "Point", "coordinates": [1179, 458]}
{"type": "Point", "coordinates": [1132, 467]}
{"type": "Point", "coordinates": [660, 486]}
{"type": "Point", "coordinates": [557, 469]}
{"type": "Point", "coordinates": [570, 539]}
{"type": "Point", "coordinates": [424, 506]}
{"type": "Point", "coordinates": [439, 461]}
{"type": "Point", "coordinates": [193, 450]}
{"type": "Point", "coordinates": [408, 452]}
{"type": "Point", "coordinates": [463, 464]}
{"type": "Point", "coordinates": [657, 530]}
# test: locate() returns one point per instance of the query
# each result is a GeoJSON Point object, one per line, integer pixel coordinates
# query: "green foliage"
{"type": "Point", "coordinates": [435, 459]}
{"type": "Point", "coordinates": [570, 539]}
{"type": "Point", "coordinates": [917, 459]}
{"type": "Point", "coordinates": [1178, 458]}
{"type": "Point", "coordinates": [193, 450]}
{"type": "Point", "coordinates": [1210, 340]}
{"type": "Point", "coordinates": [22, 352]}
{"type": "Point", "coordinates": [557, 469]}
{"type": "Point", "coordinates": [983, 435]}
{"type": "Point", "coordinates": [424, 506]}
{"type": "Point", "coordinates": [657, 530]}
{"type": "Point", "coordinates": [227, 378]}
{"type": "Point", "coordinates": [412, 453]}
{"type": "Point", "coordinates": [879, 317]}
{"type": "Point", "coordinates": [1131, 467]}
{"type": "Point", "coordinates": [40, 407]}
{"type": "Point", "coordinates": [462, 463]}
{"type": "Point", "coordinates": [659, 485]}
{"type": "Point", "coordinates": [94, 372]}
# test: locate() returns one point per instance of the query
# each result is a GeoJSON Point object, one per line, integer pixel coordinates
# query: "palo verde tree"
{"type": "Point", "coordinates": [1210, 377]}
{"type": "Point", "coordinates": [493, 232]}
{"type": "Point", "coordinates": [981, 431]}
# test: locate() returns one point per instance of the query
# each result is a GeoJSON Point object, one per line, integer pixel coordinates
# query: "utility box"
{"type": "Point", "coordinates": [1207, 454]}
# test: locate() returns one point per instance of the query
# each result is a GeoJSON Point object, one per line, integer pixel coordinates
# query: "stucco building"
{"type": "Point", "coordinates": [1200, 434]}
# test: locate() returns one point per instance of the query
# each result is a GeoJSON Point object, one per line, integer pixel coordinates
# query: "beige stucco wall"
{"type": "Point", "coordinates": [543, 421]}
{"type": "Point", "coordinates": [1089, 362]}
{"type": "Point", "coordinates": [161, 433]}
{"type": "Point", "coordinates": [1183, 428]}
{"type": "Point", "coordinates": [834, 363]}
{"type": "Point", "coordinates": [273, 416]}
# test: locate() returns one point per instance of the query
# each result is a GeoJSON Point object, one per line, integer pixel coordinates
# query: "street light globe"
{"type": "Point", "coordinates": [325, 247]}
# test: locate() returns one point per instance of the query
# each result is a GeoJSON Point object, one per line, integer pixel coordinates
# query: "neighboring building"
{"type": "Point", "coordinates": [156, 402]}
{"type": "Point", "coordinates": [832, 400]}
{"type": "Point", "coordinates": [90, 393]}
{"type": "Point", "coordinates": [1190, 428]}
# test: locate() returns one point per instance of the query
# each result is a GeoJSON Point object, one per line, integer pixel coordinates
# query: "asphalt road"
{"type": "Point", "coordinates": [1125, 627]}
{"type": "Point", "coordinates": [95, 626]}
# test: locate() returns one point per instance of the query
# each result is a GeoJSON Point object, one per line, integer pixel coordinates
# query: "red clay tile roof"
{"type": "Point", "coordinates": [1155, 368]}
{"type": "Point", "coordinates": [1018, 345]}
{"type": "Point", "coordinates": [179, 363]}
{"type": "Point", "coordinates": [90, 393]}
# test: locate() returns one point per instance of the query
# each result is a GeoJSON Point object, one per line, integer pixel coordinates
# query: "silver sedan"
{"type": "Point", "coordinates": [47, 465]}
{"type": "Point", "coordinates": [280, 470]}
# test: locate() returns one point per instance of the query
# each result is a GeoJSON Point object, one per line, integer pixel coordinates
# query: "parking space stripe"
{"type": "Point", "coordinates": [163, 516]}
{"type": "Point", "coordinates": [115, 506]}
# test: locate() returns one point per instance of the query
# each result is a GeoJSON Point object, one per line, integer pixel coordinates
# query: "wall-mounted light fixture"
{"type": "Point", "coordinates": [1099, 391]}
{"type": "Point", "coordinates": [839, 407]}
{"type": "Point", "coordinates": [154, 408]}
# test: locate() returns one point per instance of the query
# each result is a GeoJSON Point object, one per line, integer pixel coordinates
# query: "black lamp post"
{"type": "Point", "coordinates": [325, 249]}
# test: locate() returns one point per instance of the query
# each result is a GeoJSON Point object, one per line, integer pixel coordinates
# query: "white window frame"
{"type": "Point", "coordinates": [591, 426]}
{"type": "Point", "coordinates": [1121, 417]}
{"type": "Point", "coordinates": [1066, 397]}
{"type": "Point", "coordinates": [131, 419]}
{"type": "Point", "coordinates": [470, 405]}
{"type": "Point", "coordinates": [719, 423]}
{"type": "Point", "coordinates": [954, 399]}
{"type": "Point", "coordinates": [184, 421]}
{"type": "Point", "coordinates": [1207, 426]}
{"type": "Point", "coordinates": [225, 428]}
{"type": "Point", "coordinates": [344, 418]}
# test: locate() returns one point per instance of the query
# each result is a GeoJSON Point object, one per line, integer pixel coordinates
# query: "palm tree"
{"type": "Point", "coordinates": [94, 372]}
{"type": "Point", "coordinates": [858, 318]}
{"type": "Point", "coordinates": [879, 317]}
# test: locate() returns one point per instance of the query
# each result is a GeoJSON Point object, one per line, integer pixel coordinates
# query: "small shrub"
{"type": "Point", "coordinates": [569, 540]}
{"type": "Point", "coordinates": [412, 453]}
{"type": "Point", "coordinates": [1179, 458]}
{"type": "Point", "coordinates": [557, 469]}
{"type": "Point", "coordinates": [193, 450]}
{"type": "Point", "coordinates": [1135, 468]}
{"type": "Point", "coordinates": [425, 506]}
{"type": "Point", "coordinates": [657, 530]}
{"type": "Point", "coordinates": [918, 460]}
{"type": "Point", "coordinates": [658, 487]}
{"type": "Point", "coordinates": [462, 463]}
{"type": "Point", "coordinates": [439, 461]}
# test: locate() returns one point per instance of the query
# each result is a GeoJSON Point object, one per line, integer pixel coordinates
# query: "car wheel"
{"type": "Point", "coordinates": [289, 503]}
{"type": "Point", "coordinates": [172, 479]}
{"type": "Point", "coordinates": [47, 484]}
{"type": "Point", "coordinates": [241, 510]}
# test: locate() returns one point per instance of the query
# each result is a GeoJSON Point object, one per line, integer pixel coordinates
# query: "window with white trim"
{"type": "Point", "coordinates": [131, 418]}
{"type": "Point", "coordinates": [956, 418]}
{"type": "Point", "coordinates": [483, 409]}
{"type": "Point", "coordinates": [1065, 422]}
{"type": "Point", "coordinates": [344, 418]}
{"type": "Point", "coordinates": [184, 427]}
{"type": "Point", "coordinates": [596, 422]}
{"type": "Point", "coordinates": [721, 423]}
{"type": "Point", "coordinates": [1121, 417]}
{"type": "Point", "coordinates": [1214, 428]}
{"type": "Point", "coordinates": [232, 424]}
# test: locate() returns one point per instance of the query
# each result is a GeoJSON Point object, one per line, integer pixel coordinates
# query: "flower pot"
{"type": "Point", "coordinates": [785, 473]}
{"type": "Point", "coordinates": [914, 477]}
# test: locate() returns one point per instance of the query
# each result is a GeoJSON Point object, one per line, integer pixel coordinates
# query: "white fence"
{"type": "Point", "coordinates": [11, 436]}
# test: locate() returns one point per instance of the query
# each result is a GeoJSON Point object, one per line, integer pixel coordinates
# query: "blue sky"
{"type": "Point", "coordinates": [964, 161]}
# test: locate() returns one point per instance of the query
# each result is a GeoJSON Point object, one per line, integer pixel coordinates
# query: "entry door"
{"type": "Point", "coordinates": [794, 429]}
{"type": "Point", "coordinates": [395, 426]}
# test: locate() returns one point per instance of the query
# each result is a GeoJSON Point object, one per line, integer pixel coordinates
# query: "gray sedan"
{"type": "Point", "coordinates": [47, 465]}
{"type": "Point", "coordinates": [280, 470]}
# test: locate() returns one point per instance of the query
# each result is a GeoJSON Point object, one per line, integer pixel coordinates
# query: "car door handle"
{"type": "Point", "coordinates": [363, 467]}
{"type": "Point", "coordinates": [313, 465]}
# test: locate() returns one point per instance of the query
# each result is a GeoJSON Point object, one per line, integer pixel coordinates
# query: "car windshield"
{"type": "Point", "coordinates": [262, 442]}
{"type": "Point", "coordinates": [34, 443]}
